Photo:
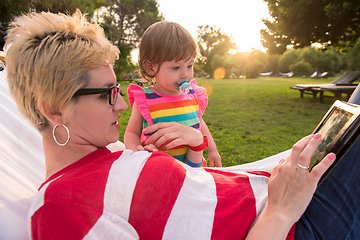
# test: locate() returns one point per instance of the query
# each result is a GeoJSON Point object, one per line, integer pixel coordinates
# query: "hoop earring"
{"type": "Point", "coordinates": [68, 137]}
{"type": "Point", "coordinates": [2, 65]}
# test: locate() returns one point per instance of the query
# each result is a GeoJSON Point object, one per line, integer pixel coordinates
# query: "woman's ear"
{"type": "Point", "coordinates": [50, 116]}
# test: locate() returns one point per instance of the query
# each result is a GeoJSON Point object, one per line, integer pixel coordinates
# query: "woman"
{"type": "Point", "coordinates": [60, 76]}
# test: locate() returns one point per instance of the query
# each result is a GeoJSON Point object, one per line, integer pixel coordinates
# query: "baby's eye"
{"type": "Point", "coordinates": [175, 68]}
{"type": "Point", "coordinates": [190, 66]}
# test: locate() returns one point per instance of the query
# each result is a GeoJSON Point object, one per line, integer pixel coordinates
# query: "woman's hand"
{"type": "Point", "coordinates": [171, 134]}
{"type": "Point", "coordinates": [291, 188]}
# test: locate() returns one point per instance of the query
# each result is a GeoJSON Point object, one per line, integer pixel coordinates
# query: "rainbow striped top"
{"type": "Point", "coordinates": [156, 107]}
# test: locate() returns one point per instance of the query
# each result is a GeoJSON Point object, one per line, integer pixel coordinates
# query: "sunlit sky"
{"type": "Point", "coordinates": [241, 19]}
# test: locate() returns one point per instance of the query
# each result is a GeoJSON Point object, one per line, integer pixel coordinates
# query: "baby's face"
{"type": "Point", "coordinates": [170, 73]}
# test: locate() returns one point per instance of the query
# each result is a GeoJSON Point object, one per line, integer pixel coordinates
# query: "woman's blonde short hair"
{"type": "Point", "coordinates": [48, 57]}
{"type": "Point", "coordinates": [162, 42]}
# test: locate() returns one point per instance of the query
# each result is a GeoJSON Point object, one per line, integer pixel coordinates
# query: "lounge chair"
{"type": "Point", "coordinates": [319, 75]}
{"type": "Point", "coordinates": [314, 75]}
{"type": "Point", "coordinates": [324, 75]}
{"type": "Point", "coordinates": [266, 74]}
{"type": "Point", "coordinates": [22, 166]}
{"type": "Point", "coordinates": [287, 75]}
{"type": "Point", "coordinates": [341, 85]}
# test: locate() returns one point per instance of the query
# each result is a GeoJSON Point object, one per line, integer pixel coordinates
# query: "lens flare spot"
{"type": "Point", "coordinates": [208, 88]}
{"type": "Point", "coordinates": [219, 73]}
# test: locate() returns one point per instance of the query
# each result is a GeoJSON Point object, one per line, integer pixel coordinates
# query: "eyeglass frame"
{"type": "Point", "coordinates": [90, 91]}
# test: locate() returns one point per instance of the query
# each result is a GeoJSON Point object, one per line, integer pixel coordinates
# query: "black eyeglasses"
{"type": "Point", "coordinates": [111, 91]}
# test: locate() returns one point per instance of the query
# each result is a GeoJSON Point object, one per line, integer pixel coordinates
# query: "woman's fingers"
{"type": "Point", "coordinates": [300, 158]}
{"type": "Point", "coordinates": [321, 168]}
{"type": "Point", "coordinates": [277, 167]}
{"type": "Point", "coordinates": [298, 149]}
{"type": "Point", "coordinates": [291, 187]}
{"type": "Point", "coordinates": [303, 150]}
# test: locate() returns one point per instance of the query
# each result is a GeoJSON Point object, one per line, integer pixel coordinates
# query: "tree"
{"type": "Point", "coordinates": [301, 68]}
{"type": "Point", "coordinates": [314, 57]}
{"type": "Point", "coordinates": [239, 62]}
{"type": "Point", "coordinates": [256, 61]}
{"type": "Point", "coordinates": [353, 58]}
{"type": "Point", "coordinates": [301, 23]}
{"type": "Point", "coordinates": [329, 61]}
{"type": "Point", "coordinates": [67, 6]}
{"type": "Point", "coordinates": [214, 47]}
{"type": "Point", "coordinates": [249, 64]}
{"type": "Point", "coordinates": [130, 18]}
{"type": "Point", "coordinates": [9, 9]}
{"type": "Point", "coordinates": [12, 8]}
{"type": "Point", "coordinates": [273, 64]}
{"type": "Point", "coordinates": [253, 68]}
{"type": "Point", "coordinates": [287, 59]}
{"type": "Point", "coordinates": [124, 22]}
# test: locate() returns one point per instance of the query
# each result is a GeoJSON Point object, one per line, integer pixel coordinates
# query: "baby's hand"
{"type": "Point", "coordinates": [140, 148]}
{"type": "Point", "coordinates": [214, 157]}
{"type": "Point", "coordinates": [150, 148]}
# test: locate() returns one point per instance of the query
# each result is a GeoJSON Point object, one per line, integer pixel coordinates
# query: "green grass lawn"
{"type": "Point", "coordinates": [251, 119]}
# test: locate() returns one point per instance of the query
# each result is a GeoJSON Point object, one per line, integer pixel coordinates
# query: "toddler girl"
{"type": "Point", "coordinates": [166, 57]}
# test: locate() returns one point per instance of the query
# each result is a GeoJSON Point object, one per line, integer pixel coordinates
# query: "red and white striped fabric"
{"type": "Point", "coordinates": [126, 195]}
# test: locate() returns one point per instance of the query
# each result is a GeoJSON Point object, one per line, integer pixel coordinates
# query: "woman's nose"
{"type": "Point", "coordinates": [120, 104]}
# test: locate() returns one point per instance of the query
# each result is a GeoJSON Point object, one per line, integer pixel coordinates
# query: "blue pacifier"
{"type": "Point", "coordinates": [183, 86]}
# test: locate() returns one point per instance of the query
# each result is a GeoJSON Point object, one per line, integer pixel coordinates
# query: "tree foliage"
{"type": "Point", "coordinates": [214, 47]}
{"type": "Point", "coordinates": [129, 19]}
{"type": "Point", "coordinates": [272, 64]}
{"type": "Point", "coordinates": [67, 6]}
{"type": "Point", "coordinates": [303, 22]}
{"type": "Point", "coordinates": [353, 58]}
{"type": "Point", "coordinates": [124, 22]}
{"type": "Point", "coordinates": [253, 68]}
{"type": "Point", "coordinates": [238, 63]}
{"type": "Point", "coordinates": [249, 64]}
{"type": "Point", "coordinates": [287, 59]}
{"type": "Point", "coordinates": [301, 68]}
{"type": "Point", "coordinates": [300, 59]}
{"type": "Point", "coordinates": [12, 8]}
{"type": "Point", "coordinates": [329, 61]}
{"type": "Point", "coordinates": [9, 9]}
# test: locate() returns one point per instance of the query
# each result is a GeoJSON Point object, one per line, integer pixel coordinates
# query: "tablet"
{"type": "Point", "coordinates": [339, 129]}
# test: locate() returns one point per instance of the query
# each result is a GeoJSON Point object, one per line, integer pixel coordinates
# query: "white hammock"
{"type": "Point", "coordinates": [22, 167]}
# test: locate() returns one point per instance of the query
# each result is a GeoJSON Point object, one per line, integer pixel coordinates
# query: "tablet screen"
{"type": "Point", "coordinates": [331, 128]}
{"type": "Point", "coordinates": [339, 128]}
